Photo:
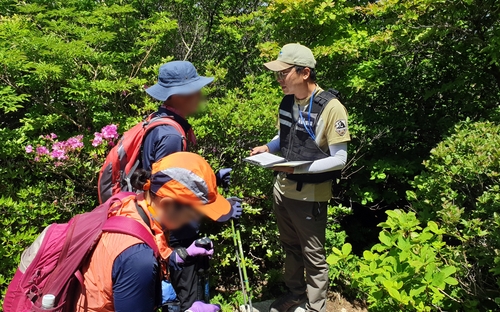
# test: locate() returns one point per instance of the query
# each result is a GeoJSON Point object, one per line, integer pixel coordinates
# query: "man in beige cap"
{"type": "Point", "coordinates": [312, 127]}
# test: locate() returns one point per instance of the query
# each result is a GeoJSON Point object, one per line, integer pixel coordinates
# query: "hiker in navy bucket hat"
{"type": "Point", "coordinates": [179, 89]}
{"type": "Point", "coordinates": [177, 77]}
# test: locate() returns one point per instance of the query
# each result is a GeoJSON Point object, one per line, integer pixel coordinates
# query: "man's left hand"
{"type": "Point", "coordinates": [283, 169]}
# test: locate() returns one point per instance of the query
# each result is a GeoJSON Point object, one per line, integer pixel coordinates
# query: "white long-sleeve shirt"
{"type": "Point", "coordinates": [336, 161]}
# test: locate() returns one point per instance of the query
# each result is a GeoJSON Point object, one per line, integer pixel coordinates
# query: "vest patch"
{"type": "Point", "coordinates": [309, 121]}
{"type": "Point", "coordinates": [341, 126]}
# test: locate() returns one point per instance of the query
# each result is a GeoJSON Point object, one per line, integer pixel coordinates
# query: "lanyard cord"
{"type": "Point", "coordinates": [308, 128]}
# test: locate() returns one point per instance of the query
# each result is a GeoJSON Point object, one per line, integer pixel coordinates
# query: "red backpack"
{"type": "Point", "coordinates": [52, 264]}
{"type": "Point", "coordinates": [125, 157]}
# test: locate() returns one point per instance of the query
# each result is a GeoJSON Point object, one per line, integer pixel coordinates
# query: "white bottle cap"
{"type": "Point", "coordinates": [48, 301]}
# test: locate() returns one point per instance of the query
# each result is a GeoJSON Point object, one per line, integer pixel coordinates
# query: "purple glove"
{"type": "Point", "coordinates": [236, 209]}
{"type": "Point", "coordinates": [223, 177]}
{"type": "Point", "coordinates": [199, 306]}
{"type": "Point", "coordinates": [193, 251]}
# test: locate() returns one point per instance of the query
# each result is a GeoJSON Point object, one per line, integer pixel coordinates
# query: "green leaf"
{"type": "Point", "coordinates": [385, 238]}
{"type": "Point", "coordinates": [451, 281]}
{"type": "Point", "coordinates": [424, 237]}
{"type": "Point", "coordinates": [394, 293]}
{"type": "Point", "coordinates": [337, 251]}
{"type": "Point", "coordinates": [434, 228]}
{"type": "Point", "coordinates": [414, 292]}
{"type": "Point", "coordinates": [346, 249]}
{"type": "Point", "coordinates": [332, 259]}
{"type": "Point", "coordinates": [368, 255]}
{"type": "Point", "coordinates": [403, 243]}
{"type": "Point", "coordinates": [438, 280]}
{"type": "Point", "coordinates": [449, 270]}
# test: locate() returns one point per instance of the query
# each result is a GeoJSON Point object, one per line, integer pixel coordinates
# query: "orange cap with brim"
{"type": "Point", "coordinates": [188, 179]}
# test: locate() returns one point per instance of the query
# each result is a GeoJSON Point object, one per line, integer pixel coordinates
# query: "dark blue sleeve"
{"type": "Point", "coordinates": [135, 280]}
{"type": "Point", "coordinates": [160, 142]}
{"type": "Point", "coordinates": [184, 236]}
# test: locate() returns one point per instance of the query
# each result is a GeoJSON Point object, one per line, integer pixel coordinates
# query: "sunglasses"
{"type": "Point", "coordinates": [281, 75]}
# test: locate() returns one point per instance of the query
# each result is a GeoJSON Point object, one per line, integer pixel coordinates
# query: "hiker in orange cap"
{"type": "Point", "coordinates": [123, 273]}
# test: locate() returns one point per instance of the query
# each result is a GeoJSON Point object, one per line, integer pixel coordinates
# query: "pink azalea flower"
{"type": "Point", "coordinates": [29, 149]}
{"type": "Point", "coordinates": [58, 163]}
{"type": "Point", "coordinates": [59, 146]}
{"type": "Point", "coordinates": [42, 150]}
{"type": "Point", "coordinates": [97, 139]}
{"type": "Point", "coordinates": [75, 142]}
{"type": "Point", "coordinates": [51, 136]}
{"type": "Point", "coordinates": [110, 132]}
{"type": "Point", "coordinates": [58, 154]}
{"type": "Point", "coordinates": [37, 158]}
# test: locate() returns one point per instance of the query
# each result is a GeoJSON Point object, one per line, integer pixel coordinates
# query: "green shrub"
{"type": "Point", "coordinates": [73, 66]}
{"type": "Point", "coordinates": [460, 189]}
{"type": "Point", "coordinates": [407, 270]}
{"type": "Point", "coordinates": [226, 129]}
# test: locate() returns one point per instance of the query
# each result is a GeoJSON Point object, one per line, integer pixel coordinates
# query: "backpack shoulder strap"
{"type": "Point", "coordinates": [154, 122]}
{"type": "Point", "coordinates": [125, 225]}
{"type": "Point", "coordinates": [322, 99]}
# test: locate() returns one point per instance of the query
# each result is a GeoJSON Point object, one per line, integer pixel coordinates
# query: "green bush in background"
{"type": "Point", "coordinates": [459, 188]}
{"type": "Point", "coordinates": [453, 263]}
{"type": "Point", "coordinates": [410, 71]}
{"type": "Point", "coordinates": [407, 270]}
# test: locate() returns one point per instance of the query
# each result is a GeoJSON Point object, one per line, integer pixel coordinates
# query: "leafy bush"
{"type": "Point", "coordinates": [459, 189]}
{"type": "Point", "coordinates": [72, 67]}
{"type": "Point", "coordinates": [407, 270]}
{"type": "Point", "coordinates": [61, 183]}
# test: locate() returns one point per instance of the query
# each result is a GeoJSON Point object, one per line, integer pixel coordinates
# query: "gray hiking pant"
{"type": "Point", "coordinates": [302, 227]}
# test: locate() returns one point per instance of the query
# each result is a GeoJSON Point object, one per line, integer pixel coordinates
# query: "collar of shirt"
{"type": "Point", "coordinates": [162, 110]}
{"type": "Point", "coordinates": [304, 103]}
{"type": "Point", "coordinates": [181, 120]}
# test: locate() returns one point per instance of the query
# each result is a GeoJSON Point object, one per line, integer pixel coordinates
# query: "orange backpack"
{"type": "Point", "coordinates": [125, 157]}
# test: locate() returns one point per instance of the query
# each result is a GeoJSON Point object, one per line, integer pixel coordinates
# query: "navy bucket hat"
{"type": "Point", "coordinates": [177, 77]}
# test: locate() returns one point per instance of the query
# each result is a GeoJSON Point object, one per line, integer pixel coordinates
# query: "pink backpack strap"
{"type": "Point", "coordinates": [125, 225]}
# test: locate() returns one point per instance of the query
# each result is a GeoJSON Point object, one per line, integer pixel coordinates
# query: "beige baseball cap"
{"type": "Point", "coordinates": [292, 54]}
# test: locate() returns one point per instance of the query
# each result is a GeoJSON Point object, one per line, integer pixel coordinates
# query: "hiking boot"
{"type": "Point", "coordinates": [287, 302]}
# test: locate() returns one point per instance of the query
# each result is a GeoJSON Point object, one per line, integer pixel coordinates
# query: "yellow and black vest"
{"type": "Point", "coordinates": [296, 143]}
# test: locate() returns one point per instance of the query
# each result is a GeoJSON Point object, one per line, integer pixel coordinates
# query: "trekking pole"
{"type": "Point", "coordinates": [203, 270]}
{"type": "Point", "coordinates": [244, 268]}
{"type": "Point", "coordinates": [238, 260]}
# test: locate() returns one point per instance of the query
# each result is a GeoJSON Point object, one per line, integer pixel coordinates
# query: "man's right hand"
{"type": "Point", "coordinates": [259, 149]}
